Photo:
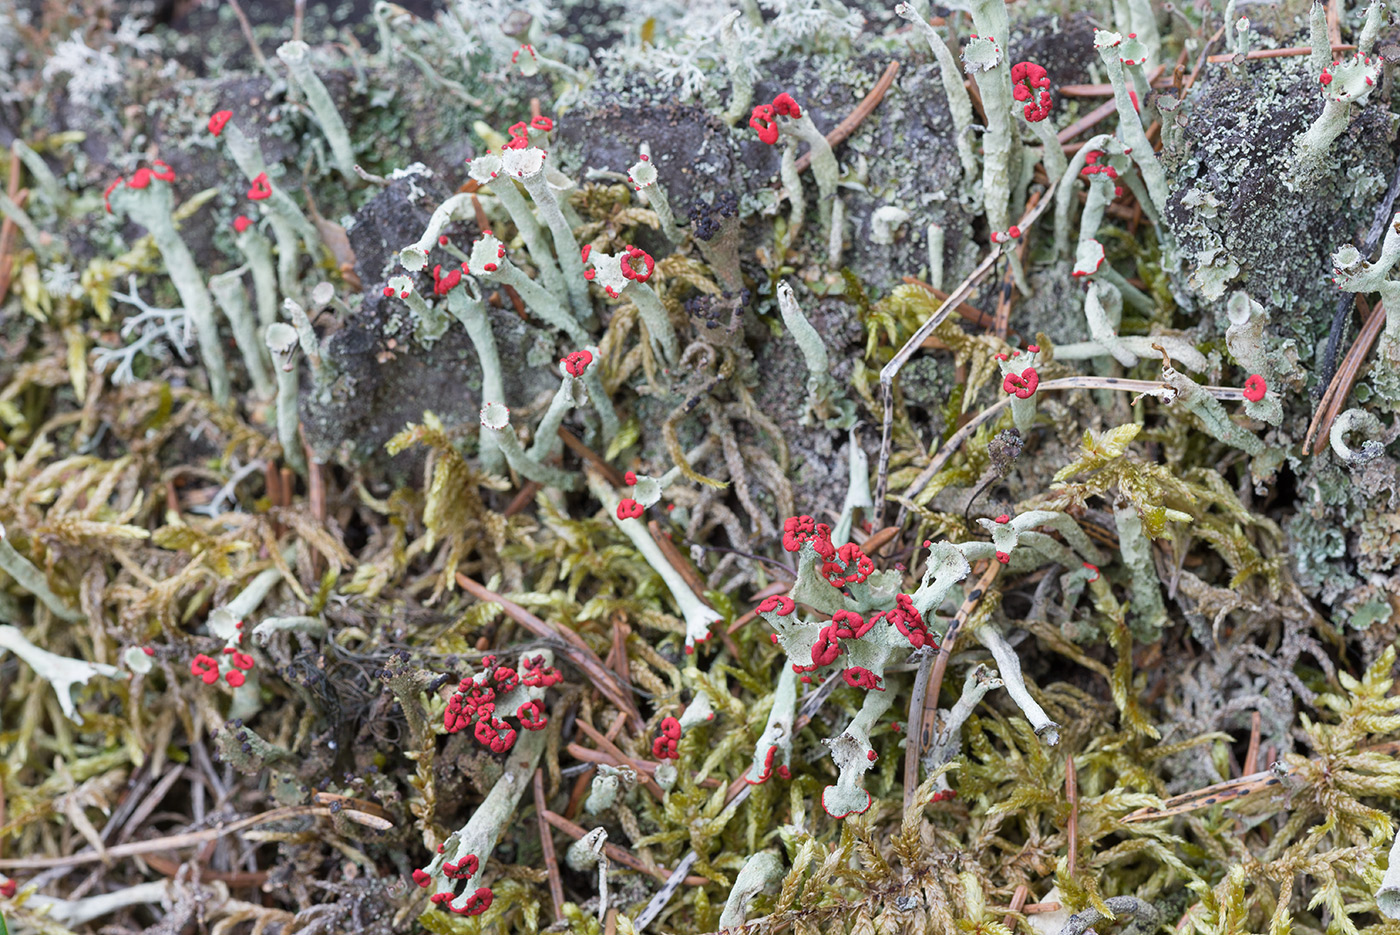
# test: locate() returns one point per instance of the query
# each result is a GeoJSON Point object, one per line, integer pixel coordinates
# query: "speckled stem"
{"type": "Point", "coordinates": [787, 171]}
{"type": "Point", "coordinates": [294, 55]}
{"type": "Point", "coordinates": [741, 85]}
{"type": "Point", "coordinates": [1009, 668]}
{"type": "Point", "coordinates": [565, 245]}
{"type": "Point", "coordinates": [657, 320]}
{"type": "Point", "coordinates": [524, 464]}
{"type": "Point", "coordinates": [959, 102]}
{"type": "Point", "coordinates": [1130, 126]}
{"type": "Point", "coordinates": [1064, 192]}
{"type": "Point", "coordinates": [1321, 55]}
{"type": "Point", "coordinates": [151, 207]}
{"type": "Point", "coordinates": [258, 252]}
{"type": "Point", "coordinates": [27, 575]}
{"type": "Point", "coordinates": [536, 244]}
{"type": "Point", "coordinates": [598, 396]}
{"type": "Point", "coordinates": [541, 301]}
{"type": "Point", "coordinates": [229, 293]}
{"type": "Point", "coordinates": [470, 310]}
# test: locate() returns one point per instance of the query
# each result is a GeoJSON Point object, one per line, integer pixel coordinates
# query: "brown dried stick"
{"type": "Point", "coordinates": [551, 862]}
{"type": "Point", "coordinates": [172, 842]}
{"type": "Point", "coordinates": [1342, 381]}
{"type": "Point", "coordinates": [864, 109]}
{"type": "Point", "coordinates": [928, 682]}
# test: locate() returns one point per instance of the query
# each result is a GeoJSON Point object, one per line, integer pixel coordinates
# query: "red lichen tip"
{"type": "Point", "coordinates": [627, 508]}
{"type": "Point", "coordinates": [542, 123]}
{"type": "Point", "coordinates": [577, 362]}
{"type": "Point", "coordinates": [1094, 569]}
{"type": "Point", "coordinates": [1033, 348]}
{"type": "Point", "coordinates": [261, 188]}
{"type": "Point", "coordinates": [421, 877]}
{"type": "Point", "coordinates": [236, 679]}
{"type": "Point", "coordinates": [242, 223]}
{"type": "Point", "coordinates": [9, 888]}
{"type": "Point", "coordinates": [1255, 388]}
{"type": "Point", "coordinates": [784, 105]}
{"type": "Point", "coordinates": [1003, 518]}
{"type": "Point", "coordinates": [218, 120]}
{"type": "Point", "coordinates": [148, 650]}
{"type": "Point", "coordinates": [1022, 385]}
{"type": "Point", "coordinates": [777, 603]}
{"type": "Point", "coordinates": [761, 120]}
{"type": "Point", "coordinates": [1003, 557]}
{"type": "Point", "coordinates": [206, 668]}
{"type": "Point", "coordinates": [630, 256]}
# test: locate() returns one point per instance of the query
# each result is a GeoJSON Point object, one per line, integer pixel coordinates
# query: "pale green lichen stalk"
{"type": "Point", "coordinates": [295, 55]}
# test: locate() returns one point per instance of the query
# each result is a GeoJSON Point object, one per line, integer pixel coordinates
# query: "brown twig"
{"type": "Point", "coordinates": [551, 862]}
{"type": "Point", "coordinates": [1251, 755]}
{"type": "Point", "coordinates": [1201, 62]}
{"type": "Point", "coordinates": [615, 853]}
{"type": "Point", "coordinates": [1334, 22]}
{"type": "Point", "coordinates": [523, 498]}
{"type": "Point", "coordinates": [971, 313]}
{"type": "Point", "coordinates": [1277, 53]}
{"type": "Point", "coordinates": [574, 444]}
{"type": "Point", "coordinates": [643, 776]}
{"type": "Point", "coordinates": [169, 843]}
{"type": "Point", "coordinates": [567, 642]}
{"type": "Point", "coordinates": [678, 561]}
{"type": "Point", "coordinates": [854, 119]}
{"type": "Point", "coordinates": [1018, 904]}
{"type": "Point", "coordinates": [235, 879]}
{"type": "Point", "coordinates": [1072, 797]}
{"type": "Point", "coordinates": [247, 28]}
{"type": "Point", "coordinates": [585, 778]}
{"type": "Point", "coordinates": [1343, 380]}
{"type": "Point", "coordinates": [928, 682]}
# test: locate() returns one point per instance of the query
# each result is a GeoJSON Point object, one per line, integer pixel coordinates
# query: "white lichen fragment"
{"type": "Point", "coordinates": [59, 671]}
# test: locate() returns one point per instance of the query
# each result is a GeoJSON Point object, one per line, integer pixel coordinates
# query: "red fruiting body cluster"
{"type": "Point", "coordinates": [762, 118]}
{"type": "Point", "coordinates": [531, 715]}
{"type": "Point", "coordinates": [463, 869]}
{"type": "Point", "coordinates": [768, 769]}
{"type": "Point", "coordinates": [576, 363]}
{"type": "Point", "coordinates": [477, 703]}
{"type": "Point", "coordinates": [1255, 388]}
{"type": "Point", "coordinates": [445, 284]}
{"type": "Point", "coordinates": [779, 603]}
{"type": "Point", "coordinates": [1094, 168]}
{"type": "Point", "coordinates": [218, 120]}
{"type": "Point", "coordinates": [909, 622]}
{"type": "Point", "coordinates": [630, 478]}
{"type": "Point", "coordinates": [1023, 384]}
{"type": "Point", "coordinates": [630, 256]}
{"type": "Point", "coordinates": [944, 796]}
{"type": "Point", "coordinates": [1027, 78]}
{"type": "Point", "coordinates": [261, 188]}
{"type": "Point", "coordinates": [627, 508]}
{"type": "Point", "coordinates": [242, 223]}
{"type": "Point", "coordinates": [800, 529]}
{"type": "Point", "coordinates": [762, 122]}
{"type": "Point", "coordinates": [542, 123]}
{"type": "Point", "coordinates": [664, 746]}
{"type": "Point", "coordinates": [1010, 234]}
{"type": "Point", "coordinates": [139, 179]}
{"type": "Point", "coordinates": [8, 889]}
{"type": "Point", "coordinates": [854, 566]}
{"type": "Point", "coordinates": [785, 106]}
{"type": "Point", "coordinates": [519, 136]}
{"type": "Point", "coordinates": [1094, 569]}
{"type": "Point", "coordinates": [476, 903]}
{"type": "Point", "coordinates": [1003, 557]}
{"type": "Point", "coordinates": [206, 668]}
{"type": "Point", "coordinates": [871, 755]}
{"type": "Point", "coordinates": [421, 877]}
{"type": "Point", "coordinates": [858, 677]}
